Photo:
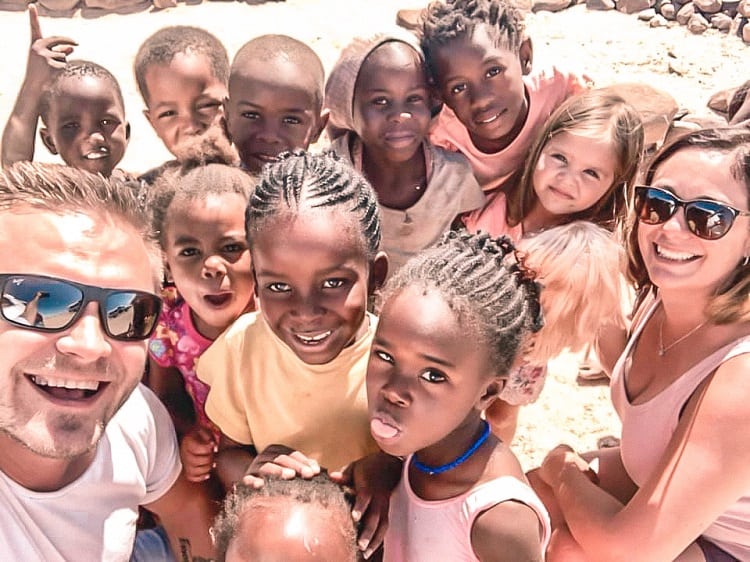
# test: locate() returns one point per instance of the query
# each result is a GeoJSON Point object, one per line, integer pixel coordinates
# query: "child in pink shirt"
{"type": "Point", "coordinates": [480, 62]}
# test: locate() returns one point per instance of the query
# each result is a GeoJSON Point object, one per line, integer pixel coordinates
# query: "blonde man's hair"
{"type": "Point", "coordinates": [61, 189]}
{"type": "Point", "coordinates": [580, 267]}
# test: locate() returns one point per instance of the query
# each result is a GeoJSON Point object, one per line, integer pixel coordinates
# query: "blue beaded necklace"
{"type": "Point", "coordinates": [453, 464]}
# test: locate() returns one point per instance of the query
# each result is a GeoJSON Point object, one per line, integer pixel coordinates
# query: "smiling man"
{"type": "Point", "coordinates": [82, 443]}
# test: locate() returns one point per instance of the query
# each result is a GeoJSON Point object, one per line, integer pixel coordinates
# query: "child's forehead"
{"type": "Point", "coordinates": [485, 37]}
{"type": "Point", "coordinates": [187, 63]}
{"type": "Point", "coordinates": [279, 73]}
{"type": "Point", "coordinates": [88, 87]}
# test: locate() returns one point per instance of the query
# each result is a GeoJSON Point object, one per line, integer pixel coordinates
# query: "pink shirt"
{"type": "Point", "coordinates": [648, 428]}
{"type": "Point", "coordinates": [177, 343]}
{"type": "Point", "coordinates": [545, 90]}
{"type": "Point", "coordinates": [427, 531]}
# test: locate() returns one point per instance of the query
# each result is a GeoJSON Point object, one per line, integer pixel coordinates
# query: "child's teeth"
{"type": "Point", "coordinates": [311, 339]}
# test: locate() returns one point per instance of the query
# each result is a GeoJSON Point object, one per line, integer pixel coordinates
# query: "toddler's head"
{"type": "Point", "coordinates": [452, 321]}
{"type": "Point", "coordinates": [379, 89]}
{"type": "Point", "coordinates": [83, 113]}
{"type": "Point", "coordinates": [275, 99]}
{"type": "Point", "coordinates": [198, 213]}
{"type": "Point", "coordinates": [477, 53]}
{"type": "Point", "coordinates": [580, 266]}
{"type": "Point", "coordinates": [182, 74]}
{"type": "Point", "coordinates": [583, 163]}
{"type": "Point", "coordinates": [313, 227]}
{"type": "Point", "coordinates": [301, 520]}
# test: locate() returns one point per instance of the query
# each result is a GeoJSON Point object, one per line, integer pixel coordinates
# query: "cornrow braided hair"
{"type": "Point", "coordinates": [446, 20]}
{"type": "Point", "coordinates": [485, 282]}
{"type": "Point", "coordinates": [302, 181]}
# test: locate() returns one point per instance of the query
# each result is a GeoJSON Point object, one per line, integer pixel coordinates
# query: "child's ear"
{"type": "Point", "coordinates": [322, 122]}
{"type": "Point", "coordinates": [526, 55]}
{"type": "Point", "coordinates": [46, 137]}
{"type": "Point", "coordinates": [491, 393]}
{"type": "Point", "coordinates": [378, 272]}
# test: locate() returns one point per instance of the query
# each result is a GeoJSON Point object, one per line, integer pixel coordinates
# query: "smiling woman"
{"type": "Point", "coordinates": [679, 384]}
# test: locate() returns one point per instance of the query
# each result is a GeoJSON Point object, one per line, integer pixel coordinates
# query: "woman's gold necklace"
{"type": "Point", "coordinates": [663, 350]}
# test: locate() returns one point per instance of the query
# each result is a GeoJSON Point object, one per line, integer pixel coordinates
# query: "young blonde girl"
{"type": "Point", "coordinates": [453, 321]}
{"type": "Point", "coordinates": [199, 213]}
{"type": "Point", "coordinates": [580, 167]}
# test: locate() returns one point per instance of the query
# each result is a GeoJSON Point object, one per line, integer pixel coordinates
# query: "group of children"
{"type": "Point", "coordinates": [269, 353]}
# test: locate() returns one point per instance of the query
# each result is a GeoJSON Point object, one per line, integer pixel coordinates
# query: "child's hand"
{"type": "Point", "coordinates": [373, 478]}
{"type": "Point", "coordinates": [281, 462]}
{"type": "Point", "coordinates": [47, 55]}
{"type": "Point", "coordinates": [197, 452]}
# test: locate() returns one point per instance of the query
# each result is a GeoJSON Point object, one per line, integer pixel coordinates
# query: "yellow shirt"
{"type": "Point", "coordinates": [263, 394]}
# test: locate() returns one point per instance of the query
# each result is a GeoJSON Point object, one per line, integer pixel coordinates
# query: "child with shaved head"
{"type": "Point", "coordinates": [275, 99]}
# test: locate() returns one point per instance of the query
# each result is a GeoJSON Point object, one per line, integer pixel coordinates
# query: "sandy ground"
{"type": "Point", "coordinates": [608, 46]}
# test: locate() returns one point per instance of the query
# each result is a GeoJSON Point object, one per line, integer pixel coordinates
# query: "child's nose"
{"type": "Point", "coordinates": [214, 266]}
{"type": "Point", "coordinates": [306, 306]}
{"type": "Point", "coordinates": [396, 393]}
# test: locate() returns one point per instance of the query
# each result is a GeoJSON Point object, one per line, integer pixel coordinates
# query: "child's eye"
{"type": "Point", "coordinates": [333, 283]}
{"type": "Point", "coordinates": [383, 356]}
{"type": "Point", "coordinates": [559, 157]}
{"type": "Point", "coordinates": [457, 88]}
{"type": "Point", "coordinates": [233, 247]}
{"type": "Point", "coordinates": [290, 120]}
{"type": "Point", "coordinates": [431, 375]}
{"type": "Point", "coordinates": [109, 122]}
{"type": "Point", "coordinates": [416, 98]}
{"type": "Point", "coordinates": [165, 114]}
{"type": "Point", "coordinates": [279, 288]}
{"type": "Point", "coordinates": [188, 252]}
{"type": "Point", "coordinates": [70, 125]}
{"type": "Point", "coordinates": [593, 173]}
{"type": "Point", "coordinates": [250, 115]}
{"type": "Point", "coordinates": [494, 71]}
{"type": "Point", "coordinates": [380, 101]}
{"type": "Point", "coordinates": [209, 106]}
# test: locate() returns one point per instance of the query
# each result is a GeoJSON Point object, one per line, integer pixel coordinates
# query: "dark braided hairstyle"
{"type": "Point", "coordinates": [485, 284]}
{"type": "Point", "coordinates": [301, 181]}
{"type": "Point", "coordinates": [446, 20]}
{"type": "Point", "coordinates": [76, 69]}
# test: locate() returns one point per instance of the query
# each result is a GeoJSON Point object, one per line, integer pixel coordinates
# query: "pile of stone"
{"type": "Point", "coordinates": [728, 16]}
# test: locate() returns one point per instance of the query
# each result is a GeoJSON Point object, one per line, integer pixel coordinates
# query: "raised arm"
{"type": "Point", "coordinates": [47, 56]}
{"type": "Point", "coordinates": [703, 472]}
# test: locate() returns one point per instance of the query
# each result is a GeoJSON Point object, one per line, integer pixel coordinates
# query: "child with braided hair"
{"type": "Point", "coordinates": [288, 382]}
{"type": "Point", "coordinates": [452, 323]}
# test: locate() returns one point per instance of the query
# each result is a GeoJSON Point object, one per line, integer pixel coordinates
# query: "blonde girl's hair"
{"type": "Point", "coordinates": [580, 266]}
{"type": "Point", "coordinates": [600, 116]}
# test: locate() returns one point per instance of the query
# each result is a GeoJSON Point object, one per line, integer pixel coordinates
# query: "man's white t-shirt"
{"type": "Point", "coordinates": [137, 461]}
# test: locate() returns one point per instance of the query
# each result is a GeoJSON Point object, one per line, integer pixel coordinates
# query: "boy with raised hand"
{"type": "Point", "coordinates": [276, 91]}
{"type": "Point", "coordinates": [80, 103]}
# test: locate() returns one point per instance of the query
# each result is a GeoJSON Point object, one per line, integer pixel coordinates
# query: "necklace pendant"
{"type": "Point", "coordinates": [661, 352]}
